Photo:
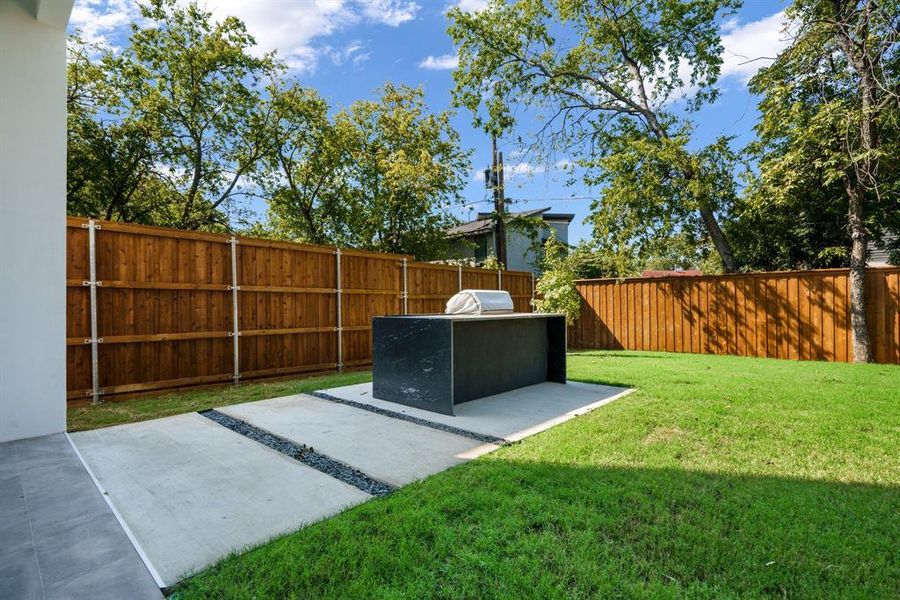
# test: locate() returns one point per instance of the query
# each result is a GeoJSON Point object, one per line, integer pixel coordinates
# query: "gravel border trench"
{"type": "Point", "coordinates": [302, 453]}
{"type": "Point", "coordinates": [481, 437]}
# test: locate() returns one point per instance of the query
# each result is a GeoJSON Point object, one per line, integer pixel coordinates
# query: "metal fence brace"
{"type": "Point", "coordinates": [337, 293]}
{"type": "Point", "coordinates": [235, 330]}
{"type": "Point", "coordinates": [405, 293]}
{"type": "Point", "coordinates": [532, 286]}
{"type": "Point", "coordinates": [499, 279]}
{"type": "Point", "coordinates": [459, 271]}
{"type": "Point", "coordinates": [92, 226]}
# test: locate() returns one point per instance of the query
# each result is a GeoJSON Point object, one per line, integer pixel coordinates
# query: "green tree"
{"type": "Point", "coordinates": [605, 77]}
{"type": "Point", "coordinates": [380, 176]}
{"type": "Point", "coordinates": [193, 85]}
{"type": "Point", "coordinates": [308, 178]}
{"type": "Point", "coordinates": [110, 161]}
{"type": "Point", "coordinates": [828, 136]}
{"type": "Point", "coordinates": [555, 289]}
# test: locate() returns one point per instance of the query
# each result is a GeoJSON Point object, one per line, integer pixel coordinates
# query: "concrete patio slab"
{"type": "Point", "coordinates": [511, 415]}
{"type": "Point", "coordinates": [191, 491]}
{"type": "Point", "coordinates": [58, 536]}
{"type": "Point", "coordinates": [392, 451]}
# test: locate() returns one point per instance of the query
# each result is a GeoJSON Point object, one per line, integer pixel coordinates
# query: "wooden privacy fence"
{"type": "Point", "coordinates": [802, 315]}
{"type": "Point", "coordinates": [150, 308]}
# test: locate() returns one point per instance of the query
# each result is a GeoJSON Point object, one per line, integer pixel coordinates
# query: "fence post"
{"type": "Point", "coordinates": [235, 328]}
{"type": "Point", "coordinates": [532, 285]}
{"type": "Point", "coordinates": [405, 293]}
{"type": "Point", "coordinates": [459, 271]}
{"type": "Point", "coordinates": [95, 339]}
{"type": "Point", "coordinates": [338, 296]}
{"type": "Point", "coordinates": [499, 279]}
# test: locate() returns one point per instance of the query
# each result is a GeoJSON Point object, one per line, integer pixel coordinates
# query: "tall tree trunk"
{"type": "Point", "coordinates": [856, 191]}
{"type": "Point", "coordinates": [718, 239]}
{"type": "Point", "coordinates": [863, 173]}
{"type": "Point", "coordinates": [862, 350]}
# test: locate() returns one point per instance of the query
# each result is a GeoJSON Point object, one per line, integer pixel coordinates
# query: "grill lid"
{"type": "Point", "coordinates": [480, 302]}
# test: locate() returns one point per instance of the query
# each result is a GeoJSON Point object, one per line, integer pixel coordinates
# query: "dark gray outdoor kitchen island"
{"type": "Point", "coordinates": [436, 361]}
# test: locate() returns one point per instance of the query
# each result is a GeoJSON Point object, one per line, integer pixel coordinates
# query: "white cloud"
{"type": "Point", "coordinates": [440, 63]}
{"type": "Point", "coordinates": [98, 20]}
{"type": "Point", "coordinates": [290, 28]}
{"type": "Point", "coordinates": [519, 170]}
{"type": "Point", "coordinates": [471, 5]}
{"type": "Point", "coordinates": [390, 12]}
{"type": "Point", "coordinates": [349, 53]}
{"type": "Point", "coordinates": [750, 46]}
{"type": "Point", "coordinates": [522, 169]}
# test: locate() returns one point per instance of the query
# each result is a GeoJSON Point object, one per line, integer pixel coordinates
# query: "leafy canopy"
{"type": "Point", "coordinates": [380, 175]}
{"type": "Point", "coordinates": [808, 147]}
{"type": "Point", "coordinates": [613, 84]}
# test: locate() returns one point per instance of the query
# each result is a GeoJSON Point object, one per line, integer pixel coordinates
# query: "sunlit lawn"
{"type": "Point", "coordinates": [719, 477]}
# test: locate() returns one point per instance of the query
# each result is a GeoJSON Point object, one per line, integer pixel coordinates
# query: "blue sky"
{"type": "Point", "coordinates": [347, 49]}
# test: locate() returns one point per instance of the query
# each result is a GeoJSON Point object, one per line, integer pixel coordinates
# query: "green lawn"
{"type": "Point", "coordinates": [176, 403]}
{"type": "Point", "coordinates": [719, 477]}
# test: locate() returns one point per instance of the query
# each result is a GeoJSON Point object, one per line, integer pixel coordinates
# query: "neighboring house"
{"type": "Point", "coordinates": [878, 255]}
{"type": "Point", "coordinates": [475, 239]}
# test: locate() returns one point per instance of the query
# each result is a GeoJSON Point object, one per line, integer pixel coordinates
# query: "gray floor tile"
{"type": "Point", "coordinates": [15, 531]}
{"type": "Point", "coordinates": [97, 584]}
{"type": "Point", "coordinates": [58, 537]}
{"type": "Point", "coordinates": [19, 576]}
{"type": "Point", "coordinates": [11, 493]}
{"type": "Point", "coordinates": [70, 550]}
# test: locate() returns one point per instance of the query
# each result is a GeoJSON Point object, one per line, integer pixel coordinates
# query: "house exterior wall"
{"type": "Point", "coordinates": [522, 256]}
{"type": "Point", "coordinates": [32, 213]}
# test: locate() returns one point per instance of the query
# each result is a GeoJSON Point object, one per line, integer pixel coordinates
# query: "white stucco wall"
{"type": "Point", "coordinates": [32, 218]}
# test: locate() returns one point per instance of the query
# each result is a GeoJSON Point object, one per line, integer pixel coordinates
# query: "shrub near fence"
{"type": "Point", "coordinates": [801, 315]}
{"type": "Point", "coordinates": [164, 309]}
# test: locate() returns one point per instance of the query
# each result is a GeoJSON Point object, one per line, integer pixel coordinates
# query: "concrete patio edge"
{"type": "Point", "coordinates": [521, 435]}
{"type": "Point", "coordinates": [134, 542]}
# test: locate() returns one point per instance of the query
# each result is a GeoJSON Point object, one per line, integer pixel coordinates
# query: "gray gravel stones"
{"type": "Point", "coordinates": [481, 437]}
{"type": "Point", "coordinates": [303, 453]}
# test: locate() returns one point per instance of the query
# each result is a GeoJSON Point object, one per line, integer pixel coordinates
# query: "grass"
{"type": "Point", "coordinates": [141, 409]}
{"type": "Point", "coordinates": [720, 477]}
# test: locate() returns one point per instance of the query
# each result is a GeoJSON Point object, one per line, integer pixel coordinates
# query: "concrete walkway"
{"type": "Point", "coordinates": [192, 490]}
{"type": "Point", "coordinates": [58, 536]}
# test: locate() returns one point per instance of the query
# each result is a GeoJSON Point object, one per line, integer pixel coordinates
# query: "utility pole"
{"type": "Point", "coordinates": [499, 202]}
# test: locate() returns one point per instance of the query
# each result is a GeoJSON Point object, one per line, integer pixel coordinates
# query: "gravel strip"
{"type": "Point", "coordinates": [481, 437]}
{"type": "Point", "coordinates": [302, 453]}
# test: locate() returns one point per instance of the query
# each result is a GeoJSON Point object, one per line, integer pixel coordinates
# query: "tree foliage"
{"type": "Point", "coordinates": [380, 175]}
{"type": "Point", "coordinates": [605, 78]}
{"type": "Point", "coordinates": [196, 86]}
{"type": "Point", "coordinates": [110, 161]}
{"type": "Point", "coordinates": [188, 121]}
{"type": "Point", "coordinates": [809, 147]}
{"type": "Point", "coordinates": [830, 119]}
{"type": "Point", "coordinates": [555, 289]}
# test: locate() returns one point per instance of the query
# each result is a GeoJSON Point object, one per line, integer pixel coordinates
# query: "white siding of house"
{"type": "Point", "coordinates": [32, 217]}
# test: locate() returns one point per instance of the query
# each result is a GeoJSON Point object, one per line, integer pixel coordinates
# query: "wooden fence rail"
{"type": "Point", "coordinates": [168, 303]}
{"type": "Point", "coordinates": [801, 315]}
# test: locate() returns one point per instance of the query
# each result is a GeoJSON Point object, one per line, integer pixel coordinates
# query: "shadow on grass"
{"type": "Point", "coordinates": [496, 528]}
